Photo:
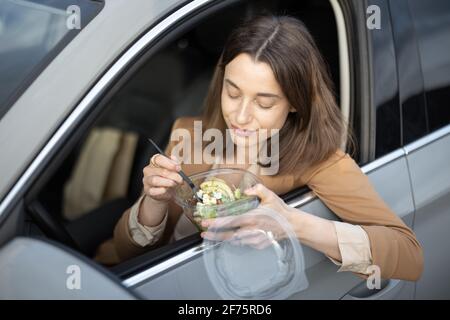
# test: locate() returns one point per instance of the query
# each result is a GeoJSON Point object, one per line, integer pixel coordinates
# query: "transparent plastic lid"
{"type": "Point", "coordinates": [264, 261]}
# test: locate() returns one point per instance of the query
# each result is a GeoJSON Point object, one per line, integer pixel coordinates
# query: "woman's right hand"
{"type": "Point", "coordinates": [161, 177]}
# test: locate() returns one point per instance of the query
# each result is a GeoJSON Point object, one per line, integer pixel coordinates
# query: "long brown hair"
{"type": "Point", "coordinates": [315, 131]}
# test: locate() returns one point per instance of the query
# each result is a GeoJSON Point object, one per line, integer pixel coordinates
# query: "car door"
{"type": "Point", "coordinates": [428, 157]}
{"type": "Point", "coordinates": [37, 269]}
{"type": "Point", "coordinates": [184, 276]}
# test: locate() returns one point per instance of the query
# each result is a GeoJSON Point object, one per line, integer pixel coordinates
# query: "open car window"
{"type": "Point", "coordinates": [102, 174]}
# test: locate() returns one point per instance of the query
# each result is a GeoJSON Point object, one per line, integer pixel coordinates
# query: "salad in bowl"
{"type": "Point", "coordinates": [220, 193]}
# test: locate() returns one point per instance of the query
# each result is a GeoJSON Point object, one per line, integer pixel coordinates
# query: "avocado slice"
{"type": "Point", "coordinates": [217, 185]}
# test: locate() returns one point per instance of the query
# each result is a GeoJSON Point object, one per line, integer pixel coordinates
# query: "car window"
{"type": "Point", "coordinates": [410, 80]}
{"type": "Point", "coordinates": [384, 85]}
{"type": "Point", "coordinates": [31, 34]}
{"type": "Point", "coordinates": [102, 176]}
{"type": "Point", "coordinates": [431, 21]}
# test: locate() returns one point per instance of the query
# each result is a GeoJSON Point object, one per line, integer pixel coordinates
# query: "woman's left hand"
{"type": "Point", "coordinates": [257, 230]}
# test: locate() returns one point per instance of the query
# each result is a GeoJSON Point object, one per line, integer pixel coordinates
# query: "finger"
{"type": "Point", "coordinates": [175, 159]}
{"type": "Point", "coordinates": [154, 192]}
{"type": "Point", "coordinates": [259, 244]}
{"type": "Point", "coordinates": [167, 163]}
{"type": "Point", "coordinates": [261, 192]}
{"type": "Point", "coordinates": [229, 222]}
{"type": "Point", "coordinates": [169, 174]}
{"type": "Point", "coordinates": [254, 242]}
{"type": "Point", "coordinates": [217, 235]}
{"type": "Point", "coordinates": [255, 238]}
{"type": "Point", "coordinates": [158, 181]}
{"type": "Point", "coordinates": [172, 175]}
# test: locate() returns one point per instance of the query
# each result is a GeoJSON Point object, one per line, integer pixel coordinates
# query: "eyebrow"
{"type": "Point", "coordinates": [260, 94]}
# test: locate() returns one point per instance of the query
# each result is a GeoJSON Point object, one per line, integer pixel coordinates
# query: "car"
{"type": "Point", "coordinates": [127, 69]}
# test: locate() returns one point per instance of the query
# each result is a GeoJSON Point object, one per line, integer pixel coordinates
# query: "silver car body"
{"type": "Point", "coordinates": [413, 180]}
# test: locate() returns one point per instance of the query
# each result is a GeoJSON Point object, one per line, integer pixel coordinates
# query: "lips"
{"type": "Point", "coordinates": [242, 132]}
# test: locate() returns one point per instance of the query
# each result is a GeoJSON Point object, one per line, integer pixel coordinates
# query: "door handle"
{"type": "Point", "coordinates": [389, 289]}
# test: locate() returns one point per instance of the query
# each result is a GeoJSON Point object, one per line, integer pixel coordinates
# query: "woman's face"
{"type": "Point", "coordinates": [252, 100]}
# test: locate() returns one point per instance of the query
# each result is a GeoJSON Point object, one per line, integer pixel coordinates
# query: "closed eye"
{"type": "Point", "coordinates": [265, 106]}
{"type": "Point", "coordinates": [233, 96]}
{"type": "Point", "coordinates": [265, 103]}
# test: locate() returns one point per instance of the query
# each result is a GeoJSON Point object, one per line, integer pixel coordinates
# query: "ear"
{"type": "Point", "coordinates": [292, 109]}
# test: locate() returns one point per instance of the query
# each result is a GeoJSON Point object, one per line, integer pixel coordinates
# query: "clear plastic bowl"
{"type": "Point", "coordinates": [235, 178]}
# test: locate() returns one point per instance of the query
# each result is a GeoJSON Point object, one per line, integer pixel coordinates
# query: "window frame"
{"type": "Point", "coordinates": [294, 198]}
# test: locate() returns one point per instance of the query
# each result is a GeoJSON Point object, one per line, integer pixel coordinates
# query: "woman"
{"type": "Point", "coordinates": [272, 76]}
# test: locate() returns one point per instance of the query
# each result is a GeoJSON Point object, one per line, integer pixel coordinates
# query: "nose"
{"type": "Point", "coordinates": [244, 114]}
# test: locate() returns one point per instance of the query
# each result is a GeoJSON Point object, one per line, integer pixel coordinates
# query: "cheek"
{"type": "Point", "coordinates": [272, 119]}
{"type": "Point", "coordinates": [226, 107]}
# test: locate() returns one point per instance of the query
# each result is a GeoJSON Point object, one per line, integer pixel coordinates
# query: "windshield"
{"type": "Point", "coordinates": [31, 34]}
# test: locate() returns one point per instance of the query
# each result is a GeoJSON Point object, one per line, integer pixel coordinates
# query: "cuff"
{"type": "Point", "coordinates": [354, 246]}
{"type": "Point", "coordinates": [141, 234]}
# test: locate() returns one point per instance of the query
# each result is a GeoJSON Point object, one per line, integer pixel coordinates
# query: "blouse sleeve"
{"type": "Point", "coordinates": [354, 246]}
{"type": "Point", "coordinates": [132, 238]}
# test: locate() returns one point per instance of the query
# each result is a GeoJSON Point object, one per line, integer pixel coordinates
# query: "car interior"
{"type": "Point", "coordinates": [102, 175]}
